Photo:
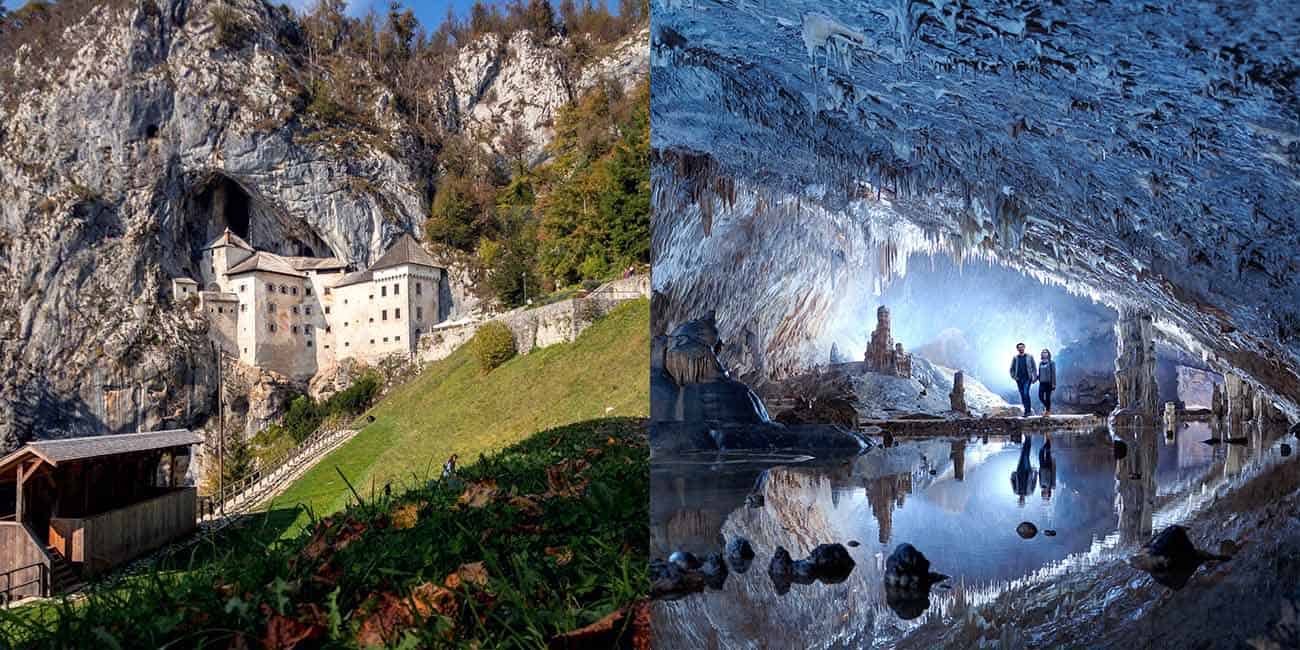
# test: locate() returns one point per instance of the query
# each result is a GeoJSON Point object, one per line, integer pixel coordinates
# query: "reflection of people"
{"type": "Point", "coordinates": [1046, 469]}
{"type": "Point", "coordinates": [1046, 381]}
{"type": "Point", "coordinates": [1024, 372]}
{"type": "Point", "coordinates": [1023, 479]}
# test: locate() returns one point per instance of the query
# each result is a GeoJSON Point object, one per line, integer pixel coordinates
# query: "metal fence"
{"type": "Point", "coordinates": [268, 475]}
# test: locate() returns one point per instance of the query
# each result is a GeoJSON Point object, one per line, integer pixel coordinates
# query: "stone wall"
{"type": "Point", "coordinates": [539, 327]}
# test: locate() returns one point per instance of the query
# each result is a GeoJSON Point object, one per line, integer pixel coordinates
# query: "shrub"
{"type": "Point", "coordinates": [357, 397]}
{"type": "Point", "coordinates": [492, 345]}
{"type": "Point", "coordinates": [231, 29]}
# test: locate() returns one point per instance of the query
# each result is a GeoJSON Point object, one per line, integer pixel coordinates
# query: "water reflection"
{"type": "Point", "coordinates": [947, 497]}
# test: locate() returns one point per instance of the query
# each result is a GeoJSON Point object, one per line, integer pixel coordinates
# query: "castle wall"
{"type": "Point", "coordinates": [282, 336]}
{"type": "Point", "coordinates": [222, 313]}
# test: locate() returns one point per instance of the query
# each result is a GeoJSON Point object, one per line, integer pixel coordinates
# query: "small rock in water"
{"type": "Point", "coordinates": [714, 570]}
{"type": "Point", "coordinates": [831, 563]}
{"type": "Point", "coordinates": [1050, 532]}
{"type": "Point", "coordinates": [740, 554]}
{"type": "Point", "coordinates": [907, 582]}
{"type": "Point", "coordinates": [684, 560]}
{"type": "Point", "coordinates": [1286, 449]}
{"type": "Point", "coordinates": [1026, 530]}
{"type": "Point", "coordinates": [1171, 558]}
{"type": "Point", "coordinates": [781, 570]}
{"type": "Point", "coordinates": [853, 543]}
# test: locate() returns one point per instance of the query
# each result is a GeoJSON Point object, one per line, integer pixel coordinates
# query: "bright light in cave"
{"type": "Point", "coordinates": [970, 317]}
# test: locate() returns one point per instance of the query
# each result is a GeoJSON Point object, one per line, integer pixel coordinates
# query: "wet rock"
{"type": "Point", "coordinates": [853, 543]}
{"type": "Point", "coordinates": [831, 563]}
{"type": "Point", "coordinates": [1285, 449]}
{"type": "Point", "coordinates": [957, 397]}
{"type": "Point", "coordinates": [781, 570]}
{"type": "Point", "coordinates": [714, 571]}
{"type": "Point", "coordinates": [740, 554]}
{"type": "Point", "coordinates": [1121, 450]}
{"type": "Point", "coordinates": [908, 580]}
{"type": "Point", "coordinates": [668, 581]}
{"type": "Point", "coordinates": [1049, 532]}
{"type": "Point", "coordinates": [1171, 558]}
{"type": "Point", "coordinates": [684, 560]}
{"type": "Point", "coordinates": [1026, 530]}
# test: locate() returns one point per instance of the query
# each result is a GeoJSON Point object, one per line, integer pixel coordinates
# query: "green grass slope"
{"type": "Point", "coordinates": [535, 541]}
{"type": "Point", "coordinates": [454, 408]}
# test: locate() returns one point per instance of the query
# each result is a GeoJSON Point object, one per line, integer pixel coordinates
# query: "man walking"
{"type": "Point", "coordinates": [1025, 371]}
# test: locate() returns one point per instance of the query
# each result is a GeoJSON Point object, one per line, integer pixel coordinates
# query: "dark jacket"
{"type": "Point", "coordinates": [1023, 369]}
{"type": "Point", "coordinates": [1047, 373]}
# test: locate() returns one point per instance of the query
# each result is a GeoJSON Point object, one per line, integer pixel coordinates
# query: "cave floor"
{"type": "Point", "coordinates": [961, 500]}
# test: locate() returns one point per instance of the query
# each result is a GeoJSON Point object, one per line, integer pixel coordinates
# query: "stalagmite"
{"type": "Point", "coordinates": [957, 398]}
{"type": "Point", "coordinates": [883, 354]}
{"type": "Point", "coordinates": [1135, 362]}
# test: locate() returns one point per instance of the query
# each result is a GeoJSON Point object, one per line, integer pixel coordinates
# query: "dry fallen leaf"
{"type": "Point", "coordinates": [561, 554]}
{"type": "Point", "coordinates": [478, 494]}
{"type": "Point", "coordinates": [284, 633]}
{"type": "Point", "coordinates": [406, 516]}
{"type": "Point", "coordinates": [626, 628]}
{"type": "Point", "coordinates": [394, 614]}
{"type": "Point", "coordinates": [474, 573]}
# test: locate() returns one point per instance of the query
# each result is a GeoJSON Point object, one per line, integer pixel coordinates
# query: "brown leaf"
{"type": "Point", "coordinates": [626, 628]}
{"type": "Point", "coordinates": [478, 494]}
{"type": "Point", "coordinates": [406, 516]}
{"type": "Point", "coordinates": [565, 478]}
{"type": "Point", "coordinates": [561, 554]}
{"type": "Point", "coordinates": [527, 504]}
{"type": "Point", "coordinates": [474, 573]}
{"type": "Point", "coordinates": [392, 614]}
{"type": "Point", "coordinates": [284, 633]}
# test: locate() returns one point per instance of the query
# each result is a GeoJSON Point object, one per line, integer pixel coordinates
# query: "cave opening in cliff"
{"type": "Point", "coordinates": [217, 201]}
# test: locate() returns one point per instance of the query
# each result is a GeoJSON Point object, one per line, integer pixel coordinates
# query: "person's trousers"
{"type": "Point", "coordinates": [1045, 395]}
{"type": "Point", "coordinates": [1024, 395]}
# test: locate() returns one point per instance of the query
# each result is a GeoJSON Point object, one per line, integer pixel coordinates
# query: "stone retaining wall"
{"type": "Point", "coordinates": [539, 327]}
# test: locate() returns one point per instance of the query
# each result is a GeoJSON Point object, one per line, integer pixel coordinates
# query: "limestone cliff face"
{"type": "Point", "coordinates": [137, 140]}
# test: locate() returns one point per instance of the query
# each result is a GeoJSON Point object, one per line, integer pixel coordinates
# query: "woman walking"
{"type": "Point", "coordinates": [1046, 381]}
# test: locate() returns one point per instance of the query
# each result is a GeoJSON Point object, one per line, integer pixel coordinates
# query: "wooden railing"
{"type": "Point", "coordinates": [21, 556]}
{"type": "Point", "coordinates": [8, 588]}
{"type": "Point", "coordinates": [250, 490]}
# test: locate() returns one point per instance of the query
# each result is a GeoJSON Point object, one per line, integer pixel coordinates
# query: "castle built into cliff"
{"type": "Point", "coordinates": [294, 315]}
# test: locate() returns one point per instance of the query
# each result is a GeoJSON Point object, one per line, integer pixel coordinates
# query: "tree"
{"type": "Point", "coordinates": [540, 20]}
{"type": "Point", "coordinates": [516, 145]}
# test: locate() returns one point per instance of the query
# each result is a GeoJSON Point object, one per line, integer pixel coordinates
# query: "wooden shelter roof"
{"type": "Point", "coordinates": [70, 449]}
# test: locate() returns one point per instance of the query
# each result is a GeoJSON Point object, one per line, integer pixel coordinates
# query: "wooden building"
{"type": "Point", "coordinates": [73, 508]}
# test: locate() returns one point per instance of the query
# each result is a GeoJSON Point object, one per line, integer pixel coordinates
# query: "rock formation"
{"type": "Point", "coordinates": [883, 354]}
{"type": "Point", "coordinates": [138, 133]}
{"type": "Point", "coordinates": [957, 396]}
{"type": "Point", "coordinates": [1135, 362]}
{"type": "Point", "coordinates": [862, 183]}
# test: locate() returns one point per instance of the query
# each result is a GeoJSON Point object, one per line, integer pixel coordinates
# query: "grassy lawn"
{"type": "Point", "coordinates": [540, 539]}
{"type": "Point", "coordinates": [453, 408]}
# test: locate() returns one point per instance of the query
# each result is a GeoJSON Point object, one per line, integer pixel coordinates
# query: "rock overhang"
{"type": "Point", "coordinates": [1142, 154]}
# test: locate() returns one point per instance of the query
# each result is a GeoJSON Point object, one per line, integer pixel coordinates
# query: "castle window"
{"type": "Point", "coordinates": [307, 309]}
{"type": "Point", "coordinates": [397, 314]}
{"type": "Point", "coordinates": [397, 289]}
{"type": "Point", "coordinates": [245, 350]}
{"type": "Point", "coordinates": [284, 289]}
{"type": "Point", "coordinates": [293, 290]}
{"type": "Point", "coordinates": [327, 291]}
{"type": "Point", "coordinates": [419, 314]}
{"type": "Point", "coordinates": [397, 338]}
{"type": "Point", "coordinates": [270, 306]}
{"type": "Point", "coordinates": [384, 314]}
{"type": "Point", "coordinates": [243, 307]}
{"type": "Point", "coordinates": [327, 309]}
{"type": "Point", "coordinates": [327, 328]}
{"type": "Point", "coordinates": [346, 344]}
{"type": "Point", "coordinates": [417, 333]}
{"type": "Point", "coordinates": [372, 319]}
{"type": "Point", "coordinates": [372, 296]}
{"type": "Point", "coordinates": [306, 291]}
{"type": "Point", "coordinates": [270, 327]}
{"type": "Point", "coordinates": [383, 291]}
{"type": "Point", "coordinates": [306, 329]}
{"type": "Point", "coordinates": [326, 346]}
{"type": "Point", "coordinates": [270, 287]}
{"type": "Point", "coordinates": [295, 309]}
{"type": "Point", "coordinates": [221, 310]}
{"type": "Point", "coordinates": [309, 343]}
{"type": "Point", "coordinates": [372, 341]}
{"type": "Point", "coordinates": [242, 286]}
{"type": "Point", "coordinates": [385, 339]}
{"type": "Point", "coordinates": [294, 329]}
{"type": "Point", "coordinates": [419, 289]}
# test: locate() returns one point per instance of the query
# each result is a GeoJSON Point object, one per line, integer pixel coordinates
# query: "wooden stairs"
{"type": "Point", "coordinates": [65, 576]}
